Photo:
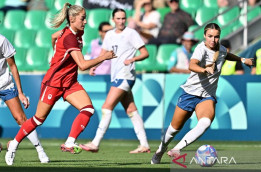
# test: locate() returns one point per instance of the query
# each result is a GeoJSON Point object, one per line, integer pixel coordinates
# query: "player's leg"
{"type": "Point", "coordinates": [127, 102]}
{"type": "Point", "coordinates": [77, 96]}
{"type": "Point", "coordinates": [19, 115]}
{"type": "Point", "coordinates": [205, 111]}
{"type": "Point", "coordinates": [179, 118]}
{"type": "Point", "coordinates": [113, 97]}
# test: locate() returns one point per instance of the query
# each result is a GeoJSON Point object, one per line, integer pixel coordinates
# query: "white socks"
{"type": "Point", "coordinates": [194, 134]}
{"type": "Point", "coordinates": [139, 128]}
{"type": "Point", "coordinates": [170, 133]}
{"type": "Point", "coordinates": [103, 126]}
{"type": "Point", "coordinates": [70, 141]}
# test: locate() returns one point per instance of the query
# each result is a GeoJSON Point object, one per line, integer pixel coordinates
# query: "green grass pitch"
{"type": "Point", "coordinates": [113, 156]}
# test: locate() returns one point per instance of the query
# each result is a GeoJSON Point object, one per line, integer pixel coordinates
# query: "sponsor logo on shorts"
{"type": "Point", "coordinates": [49, 96]}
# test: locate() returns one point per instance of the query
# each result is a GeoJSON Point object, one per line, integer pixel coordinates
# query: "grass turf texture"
{"type": "Point", "coordinates": [114, 156]}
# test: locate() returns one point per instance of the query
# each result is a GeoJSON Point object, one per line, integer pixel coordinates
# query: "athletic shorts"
{"type": "Point", "coordinates": [123, 84]}
{"type": "Point", "coordinates": [9, 93]}
{"type": "Point", "coordinates": [189, 102]}
{"type": "Point", "coordinates": [50, 94]}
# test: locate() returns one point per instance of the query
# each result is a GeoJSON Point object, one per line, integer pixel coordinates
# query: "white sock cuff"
{"type": "Point", "coordinates": [106, 111]}
{"type": "Point", "coordinates": [204, 122]}
{"type": "Point", "coordinates": [171, 129]}
{"type": "Point", "coordinates": [131, 114]}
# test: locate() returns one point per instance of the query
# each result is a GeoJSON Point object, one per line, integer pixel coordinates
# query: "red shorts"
{"type": "Point", "coordinates": [50, 95]}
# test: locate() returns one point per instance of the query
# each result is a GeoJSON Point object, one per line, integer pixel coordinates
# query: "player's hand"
{"type": "Point", "coordinates": [250, 62]}
{"type": "Point", "coordinates": [92, 71]}
{"type": "Point", "coordinates": [109, 55]}
{"type": "Point", "coordinates": [24, 100]}
{"type": "Point", "coordinates": [128, 61]}
{"type": "Point", "coordinates": [209, 70]}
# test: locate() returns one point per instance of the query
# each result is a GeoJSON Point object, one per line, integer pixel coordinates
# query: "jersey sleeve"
{"type": "Point", "coordinates": [173, 60]}
{"type": "Point", "coordinates": [70, 43]}
{"type": "Point", "coordinates": [136, 40]}
{"type": "Point", "coordinates": [7, 49]}
{"type": "Point", "coordinates": [197, 54]}
{"type": "Point", "coordinates": [106, 43]}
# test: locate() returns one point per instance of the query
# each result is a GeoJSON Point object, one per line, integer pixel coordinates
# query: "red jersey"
{"type": "Point", "coordinates": [63, 69]}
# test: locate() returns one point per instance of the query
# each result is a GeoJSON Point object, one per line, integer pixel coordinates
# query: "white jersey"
{"type": "Point", "coordinates": [201, 84]}
{"type": "Point", "coordinates": [7, 51]}
{"type": "Point", "coordinates": [124, 45]}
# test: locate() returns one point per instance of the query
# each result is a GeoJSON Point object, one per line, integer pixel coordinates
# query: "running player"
{"type": "Point", "coordinates": [124, 42]}
{"type": "Point", "coordinates": [11, 93]}
{"type": "Point", "coordinates": [61, 80]}
{"type": "Point", "coordinates": [199, 93]}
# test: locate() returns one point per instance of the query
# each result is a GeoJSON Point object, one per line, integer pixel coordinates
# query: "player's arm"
{"type": "Point", "coordinates": [55, 36]}
{"type": "Point", "coordinates": [143, 55]}
{"type": "Point", "coordinates": [87, 64]}
{"type": "Point", "coordinates": [177, 70]}
{"type": "Point", "coordinates": [194, 66]}
{"type": "Point", "coordinates": [14, 70]}
{"type": "Point", "coordinates": [247, 61]}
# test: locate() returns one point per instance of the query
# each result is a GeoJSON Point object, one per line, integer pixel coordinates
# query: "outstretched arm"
{"type": "Point", "coordinates": [14, 70]}
{"type": "Point", "coordinates": [247, 61]}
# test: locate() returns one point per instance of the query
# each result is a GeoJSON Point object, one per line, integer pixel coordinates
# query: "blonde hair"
{"type": "Point", "coordinates": [65, 12]}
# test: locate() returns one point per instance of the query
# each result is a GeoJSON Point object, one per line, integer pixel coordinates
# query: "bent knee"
{"type": "Point", "coordinates": [205, 122]}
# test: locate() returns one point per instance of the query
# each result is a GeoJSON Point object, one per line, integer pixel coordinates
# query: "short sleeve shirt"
{"type": "Point", "coordinates": [7, 51]}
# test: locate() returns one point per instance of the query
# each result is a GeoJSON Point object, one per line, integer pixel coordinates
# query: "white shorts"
{"type": "Point", "coordinates": [123, 84]}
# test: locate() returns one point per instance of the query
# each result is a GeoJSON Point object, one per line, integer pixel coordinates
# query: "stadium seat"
{"type": "Point", "coordinates": [37, 59]}
{"type": "Point", "coordinates": [210, 3]}
{"type": "Point", "coordinates": [79, 2]}
{"type": "Point", "coordinates": [49, 4]}
{"type": "Point", "coordinates": [20, 59]}
{"type": "Point", "coordinates": [14, 19]}
{"type": "Point", "coordinates": [34, 19]}
{"type": "Point", "coordinates": [252, 12]}
{"type": "Point", "coordinates": [163, 57]}
{"type": "Point", "coordinates": [191, 4]}
{"type": "Point", "coordinates": [2, 3]}
{"type": "Point", "coordinates": [98, 15]}
{"type": "Point", "coordinates": [147, 65]}
{"type": "Point", "coordinates": [24, 38]}
{"type": "Point", "coordinates": [89, 35]}
{"type": "Point", "coordinates": [225, 31]}
{"type": "Point", "coordinates": [58, 4]}
{"type": "Point", "coordinates": [9, 34]}
{"type": "Point", "coordinates": [204, 14]}
{"type": "Point", "coordinates": [44, 38]}
{"type": "Point", "coordinates": [227, 17]}
{"type": "Point", "coordinates": [199, 34]}
{"type": "Point", "coordinates": [1, 18]}
{"type": "Point", "coordinates": [163, 12]}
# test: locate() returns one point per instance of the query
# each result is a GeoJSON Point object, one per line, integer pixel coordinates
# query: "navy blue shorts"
{"type": "Point", "coordinates": [8, 94]}
{"type": "Point", "coordinates": [123, 84]}
{"type": "Point", "coordinates": [189, 102]}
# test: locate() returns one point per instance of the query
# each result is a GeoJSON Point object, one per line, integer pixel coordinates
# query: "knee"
{"type": "Point", "coordinates": [20, 119]}
{"type": "Point", "coordinates": [204, 122]}
{"type": "Point", "coordinates": [87, 110]}
{"type": "Point", "coordinates": [131, 113]}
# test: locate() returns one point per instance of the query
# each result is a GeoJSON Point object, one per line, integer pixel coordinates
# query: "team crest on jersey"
{"type": "Point", "coordinates": [49, 96]}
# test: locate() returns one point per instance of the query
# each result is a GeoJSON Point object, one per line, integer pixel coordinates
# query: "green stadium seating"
{"type": "Point", "coordinates": [228, 16]}
{"type": "Point", "coordinates": [79, 2]}
{"type": "Point", "coordinates": [34, 19]}
{"type": "Point", "coordinates": [252, 12]}
{"type": "Point", "coordinates": [1, 18]}
{"type": "Point", "coordinates": [225, 31]}
{"type": "Point", "coordinates": [20, 57]}
{"type": "Point", "coordinates": [14, 19]}
{"type": "Point", "coordinates": [210, 3]}
{"type": "Point", "coordinates": [50, 54]}
{"type": "Point", "coordinates": [194, 4]}
{"type": "Point", "coordinates": [49, 4]}
{"type": "Point", "coordinates": [37, 59]}
{"type": "Point", "coordinates": [199, 34]}
{"type": "Point", "coordinates": [89, 35]}
{"type": "Point", "coordinates": [24, 38]}
{"type": "Point", "coordinates": [2, 3]}
{"type": "Point", "coordinates": [44, 38]}
{"type": "Point", "coordinates": [147, 65]}
{"type": "Point", "coordinates": [204, 14]}
{"type": "Point", "coordinates": [163, 12]}
{"type": "Point", "coordinates": [9, 34]}
{"type": "Point", "coordinates": [58, 4]}
{"type": "Point", "coordinates": [98, 15]}
{"type": "Point", "coordinates": [163, 57]}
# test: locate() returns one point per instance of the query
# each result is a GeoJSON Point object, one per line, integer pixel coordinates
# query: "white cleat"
{"type": "Point", "coordinates": [9, 157]}
{"type": "Point", "coordinates": [43, 157]}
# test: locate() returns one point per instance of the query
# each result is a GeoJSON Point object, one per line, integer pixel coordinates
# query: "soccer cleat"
{"type": "Point", "coordinates": [174, 153]}
{"type": "Point", "coordinates": [89, 147]}
{"type": "Point", "coordinates": [73, 148]}
{"type": "Point", "coordinates": [156, 158]}
{"type": "Point", "coordinates": [141, 149]}
{"type": "Point", "coordinates": [43, 157]}
{"type": "Point", "coordinates": [9, 157]}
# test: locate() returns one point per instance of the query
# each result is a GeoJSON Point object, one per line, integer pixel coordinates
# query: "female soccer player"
{"type": "Point", "coordinates": [11, 93]}
{"type": "Point", "coordinates": [124, 42]}
{"type": "Point", "coordinates": [199, 93]}
{"type": "Point", "coordinates": [61, 80]}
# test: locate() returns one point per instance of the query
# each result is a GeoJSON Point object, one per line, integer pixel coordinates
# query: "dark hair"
{"type": "Point", "coordinates": [117, 10]}
{"type": "Point", "coordinates": [212, 26]}
{"type": "Point", "coordinates": [103, 24]}
{"type": "Point", "coordinates": [225, 43]}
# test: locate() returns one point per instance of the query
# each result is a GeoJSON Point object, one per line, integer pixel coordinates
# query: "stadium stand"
{"type": "Point", "coordinates": [147, 65]}
{"type": "Point", "coordinates": [34, 19]}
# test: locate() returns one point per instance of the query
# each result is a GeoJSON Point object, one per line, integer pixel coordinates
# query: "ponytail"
{"type": "Point", "coordinates": [65, 12]}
